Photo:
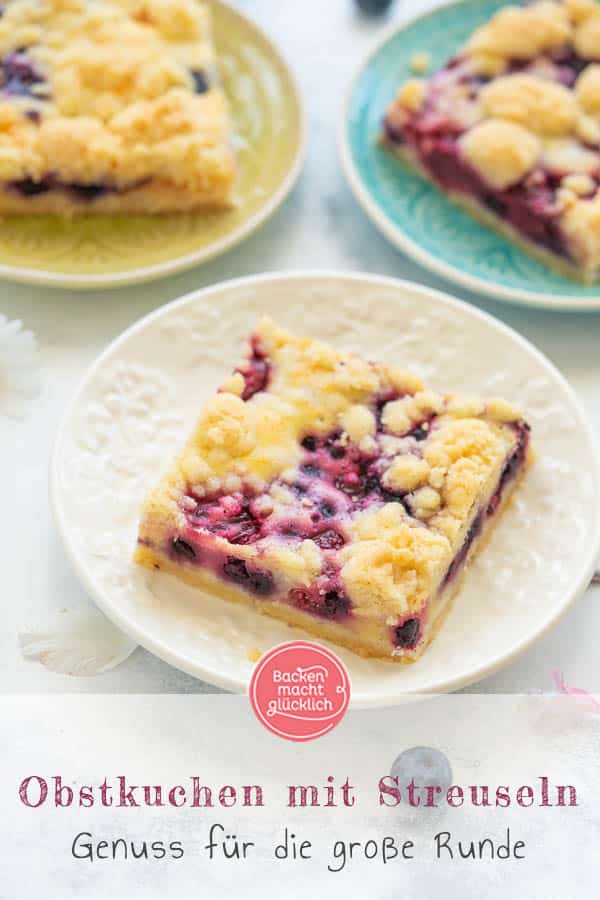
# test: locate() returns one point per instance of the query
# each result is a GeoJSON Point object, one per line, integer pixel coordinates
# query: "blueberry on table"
{"type": "Point", "coordinates": [427, 767]}
{"type": "Point", "coordinates": [374, 7]}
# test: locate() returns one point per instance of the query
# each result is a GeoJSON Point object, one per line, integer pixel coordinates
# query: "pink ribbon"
{"type": "Point", "coordinates": [584, 696]}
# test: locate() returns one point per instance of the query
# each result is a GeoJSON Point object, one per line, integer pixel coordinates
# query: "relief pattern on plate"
{"type": "Point", "coordinates": [146, 396]}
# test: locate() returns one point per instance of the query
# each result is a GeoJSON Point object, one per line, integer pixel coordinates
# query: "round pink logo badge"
{"type": "Point", "coordinates": [300, 691]}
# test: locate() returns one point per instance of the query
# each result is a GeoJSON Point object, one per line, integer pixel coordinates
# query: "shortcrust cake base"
{"type": "Point", "coordinates": [150, 198]}
{"type": "Point", "coordinates": [374, 639]}
{"type": "Point", "coordinates": [486, 217]}
{"type": "Point", "coordinates": [365, 638]}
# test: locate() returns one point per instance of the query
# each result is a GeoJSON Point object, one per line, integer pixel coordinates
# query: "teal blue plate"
{"type": "Point", "coordinates": [415, 216]}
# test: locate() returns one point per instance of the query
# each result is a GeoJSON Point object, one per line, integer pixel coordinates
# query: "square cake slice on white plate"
{"type": "Point", "coordinates": [111, 106]}
{"type": "Point", "coordinates": [335, 494]}
{"type": "Point", "coordinates": [510, 129]}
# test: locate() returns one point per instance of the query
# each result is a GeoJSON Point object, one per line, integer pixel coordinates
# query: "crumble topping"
{"type": "Point", "coordinates": [587, 90]}
{"type": "Point", "coordinates": [587, 36]}
{"type": "Point", "coordinates": [406, 473]}
{"type": "Point", "coordinates": [502, 411]}
{"type": "Point", "coordinates": [546, 108]}
{"type": "Point", "coordinates": [579, 10]}
{"type": "Point", "coordinates": [522, 32]}
{"type": "Point", "coordinates": [581, 222]}
{"type": "Point", "coordinates": [391, 562]}
{"type": "Point", "coordinates": [112, 93]}
{"type": "Point", "coordinates": [412, 94]}
{"type": "Point", "coordinates": [425, 502]}
{"type": "Point", "coordinates": [467, 407]}
{"type": "Point", "coordinates": [299, 565]}
{"type": "Point", "coordinates": [562, 155]}
{"type": "Point", "coordinates": [342, 485]}
{"type": "Point", "coordinates": [518, 112]}
{"type": "Point", "coordinates": [501, 152]}
{"type": "Point", "coordinates": [467, 451]}
{"type": "Point", "coordinates": [588, 130]}
{"type": "Point", "coordinates": [177, 20]}
{"type": "Point", "coordinates": [397, 415]}
{"type": "Point", "coordinates": [358, 423]}
{"type": "Point", "coordinates": [420, 62]}
{"type": "Point", "coordinates": [580, 185]}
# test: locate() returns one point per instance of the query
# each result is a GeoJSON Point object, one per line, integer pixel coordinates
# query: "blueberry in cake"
{"type": "Point", "coordinates": [335, 494]}
{"type": "Point", "coordinates": [111, 106]}
{"type": "Point", "coordinates": [510, 129]}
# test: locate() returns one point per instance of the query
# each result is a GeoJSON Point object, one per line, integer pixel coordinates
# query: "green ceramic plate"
{"type": "Point", "coordinates": [415, 216]}
{"type": "Point", "coordinates": [106, 251]}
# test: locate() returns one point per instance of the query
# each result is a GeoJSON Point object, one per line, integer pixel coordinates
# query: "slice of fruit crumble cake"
{"type": "Point", "coordinates": [510, 129]}
{"type": "Point", "coordinates": [111, 106]}
{"type": "Point", "coordinates": [336, 494]}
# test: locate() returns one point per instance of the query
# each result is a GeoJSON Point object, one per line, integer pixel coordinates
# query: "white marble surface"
{"type": "Point", "coordinates": [320, 227]}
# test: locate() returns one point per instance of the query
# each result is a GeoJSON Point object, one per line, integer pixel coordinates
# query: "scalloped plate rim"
{"type": "Point", "coordinates": [395, 234]}
{"type": "Point", "coordinates": [195, 668]}
{"type": "Point", "coordinates": [76, 281]}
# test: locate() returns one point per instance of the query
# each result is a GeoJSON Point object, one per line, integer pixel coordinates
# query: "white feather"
{"type": "Point", "coordinates": [76, 642]}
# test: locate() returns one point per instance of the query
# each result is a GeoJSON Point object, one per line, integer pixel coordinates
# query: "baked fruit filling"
{"type": "Point", "coordinates": [111, 106]}
{"type": "Point", "coordinates": [510, 128]}
{"type": "Point", "coordinates": [335, 494]}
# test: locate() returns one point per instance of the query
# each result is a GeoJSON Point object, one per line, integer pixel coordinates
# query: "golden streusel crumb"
{"type": "Point", "coordinates": [118, 96]}
{"type": "Point", "coordinates": [420, 63]}
{"type": "Point", "coordinates": [521, 104]}
{"type": "Point", "coordinates": [429, 457]}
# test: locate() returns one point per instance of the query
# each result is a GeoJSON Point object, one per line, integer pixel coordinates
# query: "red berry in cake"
{"type": "Point", "coordinates": [258, 582]}
{"type": "Point", "coordinates": [309, 443]}
{"type": "Point", "coordinates": [256, 372]}
{"type": "Point", "coordinates": [406, 635]}
{"type": "Point", "coordinates": [331, 603]}
{"type": "Point", "coordinates": [182, 548]}
{"type": "Point", "coordinates": [329, 540]}
{"type": "Point", "coordinates": [320, 510]}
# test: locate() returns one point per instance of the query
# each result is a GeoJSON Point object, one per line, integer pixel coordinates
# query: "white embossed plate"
{"type": "Point", "coordinates": [141, 398]}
